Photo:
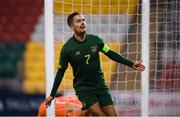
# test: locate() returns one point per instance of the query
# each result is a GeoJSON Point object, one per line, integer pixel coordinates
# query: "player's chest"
{"type": "Point", "coordinates": [84, 53]}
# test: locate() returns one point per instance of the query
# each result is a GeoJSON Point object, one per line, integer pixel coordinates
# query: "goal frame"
{"type": "Point", "coordinates": [49, 53]}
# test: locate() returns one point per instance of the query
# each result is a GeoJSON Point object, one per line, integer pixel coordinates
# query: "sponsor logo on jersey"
{"type": "Point", "coordinates": [77, 53]}
{"type": "Point", "coordinates": [94, 48]}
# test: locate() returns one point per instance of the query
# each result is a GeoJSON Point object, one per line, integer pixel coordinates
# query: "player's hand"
{"type": "Point", "coordinates": [138, 66]}
{"type": "Point", "coordinates": [48, 101]}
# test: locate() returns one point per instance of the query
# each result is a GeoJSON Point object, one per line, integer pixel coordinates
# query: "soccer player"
{"type": "Point", "coordinates": [82, 52]}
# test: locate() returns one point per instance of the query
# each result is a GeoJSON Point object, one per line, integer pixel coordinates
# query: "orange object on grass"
{"type": "Point", "coordinates": [64, 106]}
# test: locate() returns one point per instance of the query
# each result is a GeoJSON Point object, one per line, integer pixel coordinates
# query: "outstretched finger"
{"type": "Point", "coordinates": [142, 67]}
{"type": "Point", "coordinates": [139, 68]}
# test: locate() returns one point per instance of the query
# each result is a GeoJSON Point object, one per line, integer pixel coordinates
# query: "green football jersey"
{"type": "Point", "coordinates": [85, 61]}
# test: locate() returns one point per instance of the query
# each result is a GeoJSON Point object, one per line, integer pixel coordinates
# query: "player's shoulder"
{"type": "Point", "coordinates": [67, 45]}
{"type": "Point", "coordinates": [69, 41]}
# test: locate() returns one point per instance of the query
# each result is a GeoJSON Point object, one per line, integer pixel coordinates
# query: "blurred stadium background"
{"type": "Point", "coordinates": [22, 52]}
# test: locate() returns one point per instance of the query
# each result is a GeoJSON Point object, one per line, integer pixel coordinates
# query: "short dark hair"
{"type": "Point", "coordinates": [71, 16]}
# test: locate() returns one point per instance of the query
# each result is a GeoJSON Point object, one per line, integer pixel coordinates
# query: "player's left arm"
{"type": "Point", "coordinates": [63, 64]}
{"type": "Point", "coordinates": [120, 59]}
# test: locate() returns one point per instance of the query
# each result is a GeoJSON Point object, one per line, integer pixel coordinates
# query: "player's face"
{"type": "Point", "coordinates": [79, 25]}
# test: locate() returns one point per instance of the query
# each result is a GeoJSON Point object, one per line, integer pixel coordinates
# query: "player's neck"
{"type": "Point", "coordinates": [80, 37]}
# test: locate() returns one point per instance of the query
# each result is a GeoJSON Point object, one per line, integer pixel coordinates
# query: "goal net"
{"type": "Point", "coordinates": [118, 22]}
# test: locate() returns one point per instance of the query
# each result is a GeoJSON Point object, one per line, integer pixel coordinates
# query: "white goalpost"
{"type": "Point", "coordinates": [49, 52]}
{"type": "Point", "coordinates": [145, 57]}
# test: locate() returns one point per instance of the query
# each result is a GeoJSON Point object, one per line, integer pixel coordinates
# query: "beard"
{"type": "Point", "coordinates": [80, 33]}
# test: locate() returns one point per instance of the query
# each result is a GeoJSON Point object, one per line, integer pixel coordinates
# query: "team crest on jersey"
{"type": "Point", "coordinates": [77, 53]}
{"type": "Point", "coordinates": [94, 48]}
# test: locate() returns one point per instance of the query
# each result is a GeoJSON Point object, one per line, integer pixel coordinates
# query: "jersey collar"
{"type": "Point", "coordinates": [79, 41]}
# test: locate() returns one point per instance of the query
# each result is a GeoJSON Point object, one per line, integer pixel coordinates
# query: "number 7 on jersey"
{"type": "Point", "coordinates": [87, 58]}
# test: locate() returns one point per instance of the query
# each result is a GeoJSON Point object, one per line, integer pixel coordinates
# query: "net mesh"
{"type": "Point", "coordinates": [104, 18]}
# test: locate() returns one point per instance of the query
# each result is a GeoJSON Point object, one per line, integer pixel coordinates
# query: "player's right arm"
{"type": "Point", "coordinates": [63, 63]}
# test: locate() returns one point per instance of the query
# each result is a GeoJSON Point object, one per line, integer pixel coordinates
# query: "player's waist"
{"type": "Point", "coordinates": [89, 90]}
{"type": "Point", "coordinates": [88, 75]}
{"type": "Point", "coordinates": [88, 79]}
{"type": "Point", "coordinates": [82, 87]}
